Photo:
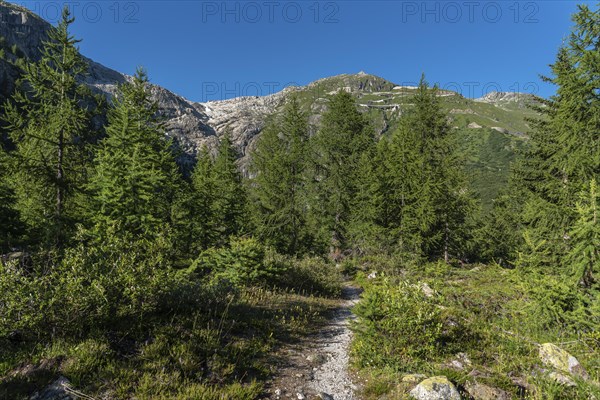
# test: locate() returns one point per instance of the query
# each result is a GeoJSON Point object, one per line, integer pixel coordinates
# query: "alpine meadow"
{"type": "Point", "coordinates": [347, 238]}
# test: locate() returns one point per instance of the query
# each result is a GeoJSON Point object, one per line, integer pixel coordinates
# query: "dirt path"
{"type": "Point", "coordinates": [317, 368]}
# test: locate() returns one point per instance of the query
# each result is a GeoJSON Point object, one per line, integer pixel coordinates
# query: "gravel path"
{"type": "Point", "coordinates": [317, 368]}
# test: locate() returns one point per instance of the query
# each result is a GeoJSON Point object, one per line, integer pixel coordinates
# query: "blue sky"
{"type": "Point", "coordinates": [206, 50]}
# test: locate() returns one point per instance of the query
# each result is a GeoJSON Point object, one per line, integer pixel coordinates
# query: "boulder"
{"type": "Point", "coordinates": [555, 357]}
{"type": "Point", "coordinates": [479, 391]}
{"type": "Point", "coordinates": [435, 388]}
{"type": "Point", "coordinates": [58, 390]}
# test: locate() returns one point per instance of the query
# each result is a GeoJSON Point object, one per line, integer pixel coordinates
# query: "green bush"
{"type": "Point", "coordinates": [246, 261]}
{"type": "Point", "coordinates": [97, 284]}
{"type": "Point", "coordinates": [397, 326]}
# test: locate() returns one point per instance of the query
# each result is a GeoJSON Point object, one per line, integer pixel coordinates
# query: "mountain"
{"type": "Point", "coordinates": [490, 128]}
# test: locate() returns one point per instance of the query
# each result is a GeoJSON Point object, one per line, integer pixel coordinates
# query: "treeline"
{"type": "Point", "coordinates": [79, 172]}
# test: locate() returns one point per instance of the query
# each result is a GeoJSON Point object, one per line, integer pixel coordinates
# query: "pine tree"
{"type": "Point", "coordinates": [204, 197]}
{"type": "Point", "coordinates": [426, 203]}
{"type": "Point", "coordinates": [279, 187]}
{"type": "Point", "coordinates": [135, 175]}
{"type": "Point", "coordinates": [338, 146]}
{"type": "Point", "coordinates": [231, 201]}
{"type": "Point", "coordinates": [563, 155]}
{"type": "Point", "coordinates": [584, 256]}
{"type": "Point", "coordinates": [10, 234]}
{"type": "Point", "coordinates": [50, 128]}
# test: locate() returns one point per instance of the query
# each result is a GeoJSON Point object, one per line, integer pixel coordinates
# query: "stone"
{"type": "Point", "coordinates": [557, 358]}
{"type": "Point", "coordinates": [427, 290]}
{"type": "Point", "coordinates": [460, 362]}
{"type": "Point", "coordinates": [413, 378]}
{"type": "Point", "coordinates": [474, 125]}
{"type": "Point", "coordinates": [561, 378]}
{"type": "Point", "coordinates": [435, 388]}
{"type": "Point", "coordinates": [277, 392]}
{"type": "Point", "coordinates": [58, 390]}
{"type": "Point", "coordinates": [479, 391]}
{"type": "Point", "coordinates": [372, 275]}
{"type": "Point", "coordinates": [325, 396]}
{"type": "Point", "coordinates": [316, 358]}
{"type": "Point", "coordinates": [300, 396]}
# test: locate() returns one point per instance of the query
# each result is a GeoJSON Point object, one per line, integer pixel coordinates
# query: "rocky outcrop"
{"type": "Point", "coordinates": [435, 388]}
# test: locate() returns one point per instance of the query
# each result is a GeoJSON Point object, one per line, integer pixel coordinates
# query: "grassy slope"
{"type": "Point", "coordinates": [495, 316]}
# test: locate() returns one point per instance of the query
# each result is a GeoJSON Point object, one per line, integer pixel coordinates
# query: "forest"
{"type": "Point", "coordinates": [135, 276]}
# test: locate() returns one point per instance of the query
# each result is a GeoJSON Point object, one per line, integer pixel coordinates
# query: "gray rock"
{"type": "Point", "coordinates": [58, 390]}
{"type": "Point", "coordinates": [435, 388]}
{"type": "Point", "coordinates": [479, 391]}
{"type": "Point", "coordinates": [555, 357]}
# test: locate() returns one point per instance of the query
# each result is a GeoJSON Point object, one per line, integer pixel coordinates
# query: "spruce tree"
{"type": "Point", "coordinates": [203, 203]}
{"type": "Point", "coordinates": [563, 154]}
{"type": "Point", "coordinates": [231, 201]}
{"type": "Point", "coordinates": [584, 256]}
{"type": "Point", "coordinates": [50, 128]}
{"type": "Point", "coordinates": [135, 176]}
{"type": "Point", "coordinates": [279, 187]}
{"type": "Point", "coordinates": [338, 146]}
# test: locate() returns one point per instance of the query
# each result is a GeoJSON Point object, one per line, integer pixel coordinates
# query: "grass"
{"type": "Point", "coordinates": [488, 313]}
{"type": "Point", "coordinates": [221, 350]}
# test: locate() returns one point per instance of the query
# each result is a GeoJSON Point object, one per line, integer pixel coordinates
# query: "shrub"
{"type": "Point", "coordinates": [246, 261]}
{"type": "Point", "coordinates": [97, 283]}
{"type": "Point", "coordinates": [397, 326]}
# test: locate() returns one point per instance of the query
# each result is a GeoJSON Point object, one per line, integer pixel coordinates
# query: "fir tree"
{"type": "Point", "coordinates": [204, 196]}
{"type": "Point", "coordinates": [50, 128]}
{"type": "Point", "coordinates": [338, 147]}
{"type": "Point", "coordinates": [584, 256]}
{"type": "Point", "coordinates": [231, 201]}
{"type": "Point", "coordinates": [279, 163]}
{"type": "Point", "coordinates": [135, 175]}
{"type": "Point", "coordinates": [563, 154]}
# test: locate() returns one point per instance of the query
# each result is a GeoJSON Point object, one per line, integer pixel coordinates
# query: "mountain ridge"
{"type": "Point", "coordinates": [193, 125]}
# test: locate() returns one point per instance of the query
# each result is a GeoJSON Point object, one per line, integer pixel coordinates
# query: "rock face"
{"type": "Point", "coordinates": [435, 388]}
{"type": "Point", "coordinates": [555, 357]}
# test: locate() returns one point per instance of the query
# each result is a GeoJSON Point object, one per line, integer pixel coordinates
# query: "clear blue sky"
{"type": "Point", "coordinates": [207, 50]}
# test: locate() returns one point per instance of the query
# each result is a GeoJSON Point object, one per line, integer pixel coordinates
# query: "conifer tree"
{"type": "Point", "coordinates": [563, 154]}
{"type": "Point", "coordinates": [135, 175]}
{"type": "Point", "coordinates": [231, 201]}
{"type": "Point", "coordinates": [279, 163]}
{"type": "Point", "coordinates": [339, 144]}
{"type": "Point", "coordinates": [204, 197]}
{"type": "Point", "coordinates": [584, 256]}
{"type": "Point", "coordinates": [9, 218]}
{"type": "Point", "coordinates": [423, 189]}
{"type": "Point", "coordinates": [50, 127]}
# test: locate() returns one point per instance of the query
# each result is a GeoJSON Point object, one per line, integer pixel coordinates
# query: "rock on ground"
{"type": "Point", "coordinates": [435, 388]}
{"type": "Point", "coordinates": [479, 391]}
{"type": "Point", "coordinates": [555, 357]}
{"type": "Point", "coordinates": [56, 391]}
